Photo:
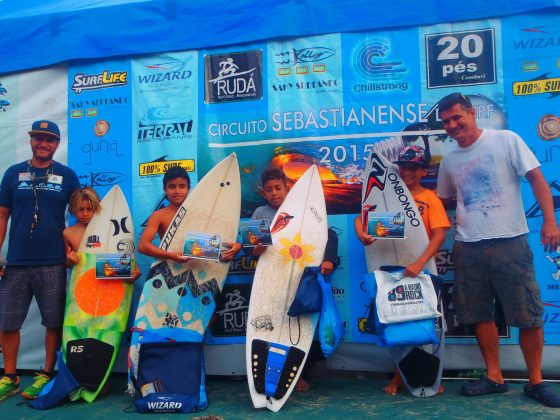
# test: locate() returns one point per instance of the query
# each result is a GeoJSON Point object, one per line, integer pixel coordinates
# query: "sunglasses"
{"type": "Point", "coordinates": [455, 98]}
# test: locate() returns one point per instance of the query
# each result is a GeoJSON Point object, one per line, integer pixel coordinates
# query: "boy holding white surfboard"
{"type": "Point", "coordinates": [176, 185]}
{"type": "Point", "coordinates": [274, 190]}
{"type": "Point", "coordinates": [412, 165]}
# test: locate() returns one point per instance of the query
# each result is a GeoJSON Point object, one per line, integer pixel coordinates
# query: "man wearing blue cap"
{"type": "Point", "coordinates": [33, 196]}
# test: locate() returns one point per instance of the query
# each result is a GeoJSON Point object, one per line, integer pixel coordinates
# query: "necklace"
{"type": "Point", "coordinates": [36, 191]}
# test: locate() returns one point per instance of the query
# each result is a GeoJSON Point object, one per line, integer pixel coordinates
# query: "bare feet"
{"type": "Point", "coordinates": [396, 384]}
{"type": "Point", "coordinates": [302, 385]}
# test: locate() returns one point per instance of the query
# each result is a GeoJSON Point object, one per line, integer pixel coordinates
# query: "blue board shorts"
{"type": "Point", "coordinates": [19, 284]}
{"type": "Point", "coordinates": [499, 269]}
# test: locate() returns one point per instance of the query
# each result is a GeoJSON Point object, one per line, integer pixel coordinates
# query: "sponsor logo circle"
{"type": "Point", "coordinates": [101, 128]}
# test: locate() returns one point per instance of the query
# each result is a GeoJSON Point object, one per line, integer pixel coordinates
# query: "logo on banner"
{"type": "Point", "coordinates": [374, 61]}
{"type": "Point", "coordinates": [303, 61]}
{"type": "Point", "coordinates": [461, 58]}
{"type": "Point", "coordinates": [529, 66]}
{"type": "Point", "coordinates": [556, 262]}
{"type": "Point", "coordinates": [164, 122]}
{"type": "Point", "coordinates": [538, 85]}
{"type": "Point", "coordinates": [243, 264]}
{"type": "Point", "coordinates": [444, 261]}
{"type": "Point", "coordinates": [102, 80]}
{"type": "Point", "coordinates": [3, 102]}
{"type": "Point", "coordinates": [552, 311]}
{"type": "Point", "coordinates": [89, 107]}
{"type": "Point", "coordinates": [101, 128]}
{"type": "Point", "coordinates": [233, 77]}
{"type": "Point", "coordinates": [163, 73]}
{"type": "Point", "coordinates": [161, 165]}
{"type": "Point", "coordinates": [538, 37]}
{"type": "Point", "coordinates": [102, 179]}
{"type": "Point", "coordinates": [232, 306]}
{"type": "Point", "coordinates": [549, 127]}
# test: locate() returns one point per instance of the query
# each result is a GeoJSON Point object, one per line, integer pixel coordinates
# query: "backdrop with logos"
{"type": "Point", "coordinates": [317, 99]}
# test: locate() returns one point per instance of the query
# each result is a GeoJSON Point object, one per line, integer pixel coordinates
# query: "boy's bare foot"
{"type": "Point", "coordinates": [393, 387]}
{"type": "Point", "coordinates": [302, 385]}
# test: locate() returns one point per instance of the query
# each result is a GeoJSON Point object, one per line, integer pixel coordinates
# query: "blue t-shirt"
{"type": "Point", "coordinates": [45, 246]}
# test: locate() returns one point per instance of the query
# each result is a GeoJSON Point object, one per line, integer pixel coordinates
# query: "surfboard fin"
{"type": "Point", "coordinates": [419, 368]}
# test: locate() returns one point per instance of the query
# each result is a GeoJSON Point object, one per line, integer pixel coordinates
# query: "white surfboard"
{"type": "Point", "coordinates": [179, 299]}
{"type": "Point", "coordinates": [384, 191]}
{"type": "Point", "coordinates": [277, 345]}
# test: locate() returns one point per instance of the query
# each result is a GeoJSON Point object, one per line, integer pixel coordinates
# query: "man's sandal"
{"type": "Point", "coordinates": [482, 387]}
{"type": "Point", "coordinates": [544, 394]}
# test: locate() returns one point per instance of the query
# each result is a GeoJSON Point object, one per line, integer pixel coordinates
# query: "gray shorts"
{"type": "Point", "coordinates": [19, 284]}
{"type": "Point", "coordinates": [499, 269]}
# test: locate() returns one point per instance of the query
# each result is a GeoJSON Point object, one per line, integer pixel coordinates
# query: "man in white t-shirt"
{"type": "Point", "coordinates": [491, 255]}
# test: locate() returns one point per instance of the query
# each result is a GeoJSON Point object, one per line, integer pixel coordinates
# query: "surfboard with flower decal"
{"type": "Point", "coordinates": [277, 345]}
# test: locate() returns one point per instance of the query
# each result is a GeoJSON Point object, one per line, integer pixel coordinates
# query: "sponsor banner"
{"type": "Point", "coordinates": [461, 58]}
{"type": "Point", "coordinates": [233, 76]}
{"type": "Point", "coordinates": [532, 95]}
{"type": "Point", "coordinates": [323, 100]}
{"type": "Point", "coordinates": [304, 73]}
{"type": "Point", "coordinates": [164, 127]}
{"type": "Point", "coordinates": [99, 111]}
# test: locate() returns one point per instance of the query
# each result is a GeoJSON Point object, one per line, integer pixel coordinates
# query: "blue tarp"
{"type": "Point", "coordinates": [41, 33]}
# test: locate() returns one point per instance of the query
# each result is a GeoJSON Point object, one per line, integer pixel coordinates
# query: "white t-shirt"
{"type": "Point", "coordinates": [486, 179]}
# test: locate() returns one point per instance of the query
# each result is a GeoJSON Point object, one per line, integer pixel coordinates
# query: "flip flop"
{"type": "Point", "coordinates": [482, 387]}
{"type": "Point", "coordinates": [543, 393]}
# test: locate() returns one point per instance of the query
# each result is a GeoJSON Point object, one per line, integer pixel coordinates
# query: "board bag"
{"type": "Point", "coordinates": [170, 376]}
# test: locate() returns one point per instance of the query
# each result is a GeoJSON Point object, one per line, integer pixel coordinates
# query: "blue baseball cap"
{"type": "Point", "coordinates": [45, 127]}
